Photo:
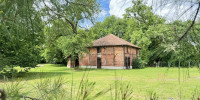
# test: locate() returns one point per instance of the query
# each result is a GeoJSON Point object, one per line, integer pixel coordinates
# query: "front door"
{"type": "Point", "coordinates": [98, 62]}
{"type": "Point", "coordinates": [127, 62]}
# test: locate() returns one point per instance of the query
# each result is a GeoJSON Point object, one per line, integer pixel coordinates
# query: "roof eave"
{"type": "Point", "coordinates": [113, 45]}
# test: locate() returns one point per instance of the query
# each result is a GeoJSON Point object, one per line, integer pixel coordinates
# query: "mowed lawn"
{"type": "Point", "coordinates": [163, 81]}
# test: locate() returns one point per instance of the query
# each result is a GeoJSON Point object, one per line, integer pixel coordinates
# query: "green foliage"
{"type": "Point", "coordinates": [14, 72]}
{"type": "Point", "coordinates": [51, 52]}
{"type": "Point", "coordinates": [196, 94]}
{"type": "Point", "coordinates": [21, 34]}
{"type": "Point", "coordinates": [61, 44]}
{"type": "Point", "coordinates": [135, 27]}
{"type": "Point", "coordinates": [153, 95]}
{"type": "Point", "coordinates": [35, 29]}
{"type": "Point", "coordinates": [111, 25]}
{"type": "Point", "coordinates": [64, 33]}
{"type": "Point", "coordinates": [122, 90]}
{"type": "Point", "coordinates": [75, 44]}
{"type": "Point", "coordinates": [54, 56]}
{"type": "Point", "coordinates": [141, 18]}
{"type": "Point", "coordinates": [9, 72]}
{"type": "Point", "coordinates": [14, 90]}
{"type": "Point", "coordinates": [137, 63]}
{"type": "Point", "coordinates": [126, 91]}
{"type": "Point", "coordinates": [158, 39]}
{"type": "Point", "coordinates": [49, 89]}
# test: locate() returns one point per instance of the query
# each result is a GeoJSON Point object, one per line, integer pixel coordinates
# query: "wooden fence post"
{"type": "Point", "coordinates": [3, 94]}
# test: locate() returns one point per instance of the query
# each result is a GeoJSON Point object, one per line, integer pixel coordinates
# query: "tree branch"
{"type": "Point", "coordinates": [68, 21]}
{"type": "Point", "coordinates": [187, 10]}
{"type": "Point", "coordinates": [189, 28]}
{"type": "Point", "coordinates": [72, 25]}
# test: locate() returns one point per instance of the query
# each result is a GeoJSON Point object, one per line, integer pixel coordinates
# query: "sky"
{"type": "Point", "coordinates": [108, 8]}
{"type": "Point", "coordinates": [117, 8]}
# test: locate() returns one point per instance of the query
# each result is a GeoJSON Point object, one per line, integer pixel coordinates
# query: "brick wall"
{"type": "Point", "coordinates": [132, 53]}
{"type": "Point", "coordinates": [110, 56]}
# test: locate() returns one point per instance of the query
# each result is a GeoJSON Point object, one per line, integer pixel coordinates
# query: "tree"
{"type": "Point", "coordinates": [140, 18]}
{"type": "Point", "coordinates": [187, 49]}
{"type": "Point", "coordinates": [51, 52]}
{"type": "Point", "coordinates": [158, 39]}
{"type": "Point", "coordinates": [98, 30]}
{"type": "Point", "coordinates": [181, 8]}
{"type": "Point", "coordinates": [21, 33]}
{"type": "Point", "coordinates": [111, 25]}
{"type": "Point", "coordinates": [71, 13]}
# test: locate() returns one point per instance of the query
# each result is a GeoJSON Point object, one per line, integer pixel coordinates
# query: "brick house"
{"type": "Point", "coordinates": [109, 52]}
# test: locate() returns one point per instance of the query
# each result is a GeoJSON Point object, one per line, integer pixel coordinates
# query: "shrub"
{"type": "Point", "coordinates": [9, 72]}
{"type": "Point", "coordinates": [138, 63]}
{"type": "Point", "coordinates": [12, 72]}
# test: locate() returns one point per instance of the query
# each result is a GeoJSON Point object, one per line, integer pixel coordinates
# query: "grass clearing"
{"type": "Point", "coordinates": [144, 82]}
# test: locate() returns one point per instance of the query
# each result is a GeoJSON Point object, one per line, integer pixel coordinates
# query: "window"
{"type": "Point", "coordinates": [98, 50]}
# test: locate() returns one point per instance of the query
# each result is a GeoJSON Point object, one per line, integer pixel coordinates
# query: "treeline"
{"type": "Point", "coordinates": [161, 40]}
{"type": "Point", "coordinates": [39, 31]}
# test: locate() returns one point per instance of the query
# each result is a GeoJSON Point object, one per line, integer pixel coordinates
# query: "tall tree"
{"type": "Point", "coordinates": [71, 12]}
{"type": "Point", "coordinates": [21, 33]}
{"type": "Point", "coordinates": [51, 52]}
{"type": "Point", "coordinates": [140, 18]}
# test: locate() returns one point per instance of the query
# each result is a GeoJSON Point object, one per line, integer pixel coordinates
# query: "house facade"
{"type": "Point", "coordinates": [109, 52]}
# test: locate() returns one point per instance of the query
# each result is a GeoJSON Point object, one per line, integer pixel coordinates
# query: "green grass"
{"type": "Point", "coordinates": [163, 81]}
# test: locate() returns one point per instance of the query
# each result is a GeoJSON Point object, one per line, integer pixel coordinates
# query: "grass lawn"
{"type": "Point", "coordinates": [162, 81]}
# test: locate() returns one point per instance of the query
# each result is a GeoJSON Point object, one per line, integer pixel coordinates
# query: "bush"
{"type": "Point", "coordinates": [12, 72]}
{"type": "Point", "coordinates": [138, 63]}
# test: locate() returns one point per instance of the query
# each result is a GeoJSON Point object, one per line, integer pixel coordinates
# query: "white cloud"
{"type": "Point", "coordinates": [117, 7]}
{"type": "Point", "coordinates": [173, 10]}
{"type": "Point", "coordinates": [170, 11]}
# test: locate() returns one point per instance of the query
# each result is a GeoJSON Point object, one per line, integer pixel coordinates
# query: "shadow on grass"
{"type": "Point", "coordinates": [56, 65]}
{"type": "Point", "coordinates": [51, 65]}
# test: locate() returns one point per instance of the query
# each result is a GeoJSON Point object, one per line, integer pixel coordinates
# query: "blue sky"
{"type": "Point", "coordinates": [108, 8]}
{"type": "Point", "coordinates": [104, 5]}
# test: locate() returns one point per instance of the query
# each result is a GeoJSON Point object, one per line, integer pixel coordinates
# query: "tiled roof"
{"type": "Point", "coordinates": [112, 40]}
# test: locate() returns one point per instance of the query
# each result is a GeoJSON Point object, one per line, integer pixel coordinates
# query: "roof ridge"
{"type": "Point", "coordinates": [111, 40]}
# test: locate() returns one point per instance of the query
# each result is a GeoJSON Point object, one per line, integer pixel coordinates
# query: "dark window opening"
{"type": "Point", "coordinates": [98, 62]}
{"type": "Point", "coordinates": [98, 50]}
{"type": "Point", "coordinates": [127, 62]}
